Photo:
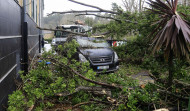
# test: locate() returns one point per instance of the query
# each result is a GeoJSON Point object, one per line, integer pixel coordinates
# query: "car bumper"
{"type": "Point", "coordinates": [112, 68]}
{"type": "Point", "coordinates": [107, 71]}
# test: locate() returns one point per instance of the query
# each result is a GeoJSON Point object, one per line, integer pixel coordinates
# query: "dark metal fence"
{"type": "Point", "coordinates": [33, 38]}
{"type": "Point", "coordinates": [11, 51]}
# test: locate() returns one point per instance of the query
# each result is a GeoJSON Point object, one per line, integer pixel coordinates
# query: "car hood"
{"type": "Point", "coordinates": [60, 39]}
{"type": "Point", "coordinates": [97, 52]}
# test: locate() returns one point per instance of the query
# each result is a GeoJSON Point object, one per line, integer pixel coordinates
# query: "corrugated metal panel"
{"type": "Point", "coordinates": [33, 37]}
{"type": "Point", "coordinates": [10, 45]}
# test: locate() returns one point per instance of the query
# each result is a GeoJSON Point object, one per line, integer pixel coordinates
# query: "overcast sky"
{"type": "Point", "coordinates": [65, 5]}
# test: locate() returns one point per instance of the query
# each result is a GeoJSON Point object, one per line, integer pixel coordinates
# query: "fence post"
{"type": "Point", "coordinates": [189, 105]}
{"type": "Point", "coordinates": [40, 42]}
{"type": "Point", "coordinates": [24, 41]}
{"type": "Point", "coordinates": [24, 61]}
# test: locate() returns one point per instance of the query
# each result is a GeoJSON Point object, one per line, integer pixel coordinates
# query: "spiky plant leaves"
{"type": "Point", "coordinates": [173, 32]}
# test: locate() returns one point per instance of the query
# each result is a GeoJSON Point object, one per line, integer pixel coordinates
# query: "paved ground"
{"type": "Point", "coordinates": [47, 47]}
{"type": "Point", "coordinates": [143, 77]}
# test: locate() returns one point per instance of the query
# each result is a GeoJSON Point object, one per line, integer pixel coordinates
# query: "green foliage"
{"type": "Point", "coordinates": [46, 80]}
{"type": "Point", "coordinates": [121, 51]}
{"type": "Point", "coordinates": [182, 70]}
{"type": "Point", "coordinates": [69, 49]}
{"type": "Point", "coordinates": [138, 52]}
{"type": "Point", "coordinates": [156, 65]}
{"type": "Point", "coordinates": [43, 82]}
{"type": "Point", "coordinates": [121, 28]}
{"type": "Point", "coordinates": [130, 99]}
{"type": "Point", "coordinates": [133, 51]}
{"type": "Point", "coordinates": [185, 10]}
{"type": "Point", "coordinates": [89, 21]}
{"type": "Point", "coordinates": [16, 101]}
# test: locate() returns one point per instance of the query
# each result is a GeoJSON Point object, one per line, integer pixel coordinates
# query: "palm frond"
{"type": "Point", "coordinates": [173, 32]}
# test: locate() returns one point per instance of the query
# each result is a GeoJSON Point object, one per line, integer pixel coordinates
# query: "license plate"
{"type": "Point", "coordinates": [103, 67]}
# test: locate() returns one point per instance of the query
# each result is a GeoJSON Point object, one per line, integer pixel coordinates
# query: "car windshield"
{"type": "Point", "coordinates": [71, 29]}
{"type": "Point", "coordinates": [93, 43]}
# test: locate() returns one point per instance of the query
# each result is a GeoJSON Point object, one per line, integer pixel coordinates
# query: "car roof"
{"type": "Point", "coordinates": [69, 26]}
{"type": "Point", "coordinates": [85, 38]}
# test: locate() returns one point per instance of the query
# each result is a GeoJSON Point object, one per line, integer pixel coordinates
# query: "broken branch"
{"type": "Point", "coordinates": [62, 31]}
{"type": "Point", "coordinates": [182, 83]}
{"type": "Point", "coordinates": [106, 17]}
{"type": "Point", "coordinates": [95, 82]}
{"type": "Point", "coordinates": [80, 104]}
{"type": "Point", "coordinates": [99, 10]}
{"type": "Point", "coordinates": [89, 80]}
{"type": "Point", "coordinates": [95, 90]}
{"type": "Point", "coordinates": [92, 101]}
{"type": "Point", "coordinates": [170, 93]}
{"type": "Point", "coordinates": [92, 6]}
{"type": "Point", "coordinates": [76, 11]}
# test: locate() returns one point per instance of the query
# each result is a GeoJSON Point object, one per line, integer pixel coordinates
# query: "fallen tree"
{"type": "Point", "coordinates": [58, 79]}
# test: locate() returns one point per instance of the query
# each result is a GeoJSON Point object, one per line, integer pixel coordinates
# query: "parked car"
{"type": "Point", "coordinates": [45, 42]}
{"type": "Point", "coordinates": [61, 36]}
{"type": "Point", "coordinates": [57, 41]}
{"type": "Point", "coordinates": [98, 53]}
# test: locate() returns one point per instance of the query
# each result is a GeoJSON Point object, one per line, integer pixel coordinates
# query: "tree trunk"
{"type": "Point", "coordinates": [140, 5]}
{"type": "Point", "coordinates": [185, 2]}
{"type": "Point", "coordinates": [171, 70]}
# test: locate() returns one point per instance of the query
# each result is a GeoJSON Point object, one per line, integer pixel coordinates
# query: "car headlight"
{"type": "Point", "coordinates": [116, 57]}
{"type": "Point", "coordinates": [82, 58]}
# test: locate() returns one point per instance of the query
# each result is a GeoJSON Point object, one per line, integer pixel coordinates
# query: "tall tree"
{"type": "Point", "coordinates": [133, 5]}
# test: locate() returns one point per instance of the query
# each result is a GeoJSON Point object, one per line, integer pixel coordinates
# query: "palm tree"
{"type": "Point", "coordinates": [172, 33]}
